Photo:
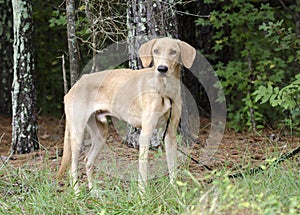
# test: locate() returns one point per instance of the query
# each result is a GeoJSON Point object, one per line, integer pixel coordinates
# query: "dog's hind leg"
{"type": "Point", "coordinates": [76, 138]}
{"type": "Point", "coordinates": [98, 131]}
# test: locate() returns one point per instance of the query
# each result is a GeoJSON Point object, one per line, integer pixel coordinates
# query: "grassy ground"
{"type": "Point", "coordinates": [28, 184]}
{"type": "Point", "coordinates": [28, 190]}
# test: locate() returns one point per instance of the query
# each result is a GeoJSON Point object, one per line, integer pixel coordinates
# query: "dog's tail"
{"type": "Point", "coordinates": [67, 153]}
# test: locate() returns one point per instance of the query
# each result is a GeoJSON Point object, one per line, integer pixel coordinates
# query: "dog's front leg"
{"type": "Point", "coordinates": [171, 153]}
{"type": "Point", "coordinates": [149, 122]}
{"type": "Point", "coordinates": [143, 160]}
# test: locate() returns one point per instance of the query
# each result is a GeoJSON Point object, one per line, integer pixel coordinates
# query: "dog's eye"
{"type": "Point", "coordinates": [173, 52]}
{"type": "Point", "coordinates": [155, 51]}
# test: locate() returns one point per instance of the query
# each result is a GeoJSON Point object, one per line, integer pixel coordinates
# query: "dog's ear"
{"type": "Point", "coordinates": [188, 54]}
{"type": "Point", "coordinates": [146, 52]}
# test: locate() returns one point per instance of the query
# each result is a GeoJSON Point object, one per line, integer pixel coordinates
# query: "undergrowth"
{"type": "Point", "coordinates": [276, 190]}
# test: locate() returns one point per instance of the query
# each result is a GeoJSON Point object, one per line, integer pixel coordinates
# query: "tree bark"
{"type": "Point", "coordinates": [91, 20]}
{"type": "Point", "coordinates": [148, 19]}
{"type": "Point", "coordinates": [6, 56]}
{"type": "Point", "coordinates": [145, 20]}
{"type": "Point", "coordinates": [72, 41]}
{"type": "Point", "coordinates": [24, 120]}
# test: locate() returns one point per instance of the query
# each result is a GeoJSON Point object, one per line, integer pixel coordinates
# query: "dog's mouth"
{"type": "Point", "coordinates": [162, 74]}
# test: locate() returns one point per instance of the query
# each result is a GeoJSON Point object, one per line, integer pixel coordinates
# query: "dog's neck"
{"type": "Point", "coordinates": [168, 86]}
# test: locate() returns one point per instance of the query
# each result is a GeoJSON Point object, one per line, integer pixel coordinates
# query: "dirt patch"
{"type": "Point", "coordinates": [235, 150]}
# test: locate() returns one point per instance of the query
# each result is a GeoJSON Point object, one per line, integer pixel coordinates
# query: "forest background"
{"type": "Point", "coordinates": [253, 45]}
{"type": "Point", "coordinates": [254, 49]}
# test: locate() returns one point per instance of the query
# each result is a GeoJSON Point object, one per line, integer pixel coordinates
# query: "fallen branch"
{"type": "Point", "coordinates": [258, 169]}
{"type": "Point", "coordinates": [196, 161]}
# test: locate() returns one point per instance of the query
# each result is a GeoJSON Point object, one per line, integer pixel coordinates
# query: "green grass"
{"type": "Point", "coordinates": [274, 191]}
{"type": "Point", "coordinates": [30, 190]}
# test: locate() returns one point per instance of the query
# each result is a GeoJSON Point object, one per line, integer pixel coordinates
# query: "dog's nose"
{"type": "Point", "coordinates": [162, 69]}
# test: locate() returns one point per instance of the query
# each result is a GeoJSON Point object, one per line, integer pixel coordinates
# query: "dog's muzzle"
{"type": "Point", "coordinates": [162, 69]}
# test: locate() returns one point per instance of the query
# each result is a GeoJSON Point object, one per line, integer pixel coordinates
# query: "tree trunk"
{"type": "Point", "coordinates": [24, 120]}
{"type": "Point", "coordinates": [147, 19]}
{"type": "Point", "coordinates": [91, 20]}
{"type": "Point", "coordinates": [6, 56]}
{"type": "Point", "coordinates": [72, 41]}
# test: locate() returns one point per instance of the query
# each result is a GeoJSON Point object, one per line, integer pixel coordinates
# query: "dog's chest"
{"type": "Point", "coordinates": [166, 87]}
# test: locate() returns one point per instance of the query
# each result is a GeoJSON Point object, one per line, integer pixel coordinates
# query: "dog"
{"type": "Point", "coordinates": [148, 98]}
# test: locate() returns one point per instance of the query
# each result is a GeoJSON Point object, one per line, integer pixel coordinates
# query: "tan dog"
{"type": "Point", "coordinates": [144, 98]}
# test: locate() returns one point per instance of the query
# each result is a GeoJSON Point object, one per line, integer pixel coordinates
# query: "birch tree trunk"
{"type": "Point", "coordinates": [72, 41]}
{"type": "Point", "coordinates": [145, 20]}
{"type": "Point", "coordinates": [6, 56]}
{"type": "Point", "coordinates": [24, 120]}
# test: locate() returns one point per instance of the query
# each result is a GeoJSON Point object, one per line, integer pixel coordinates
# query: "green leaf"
{"type": "Point", "coordinates": [260, 92]}
{"type": "Point", "coordinates": [200, 22]}
{"type": "Point", "coordinates": [181, 184]}
{"type": "Point", "coordinates": [273, 101]}
{"type": "Point", "coordinates": [263, 27]}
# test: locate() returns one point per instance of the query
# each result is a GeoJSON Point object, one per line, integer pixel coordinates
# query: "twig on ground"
{"type": "Point", "coordinates": [196, 161]}
{"type": "Point", "coordinates": [258, 169]}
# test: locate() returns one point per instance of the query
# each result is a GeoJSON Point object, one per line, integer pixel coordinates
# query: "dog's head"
{"type": "Point", "coordinates": [167, 54]}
